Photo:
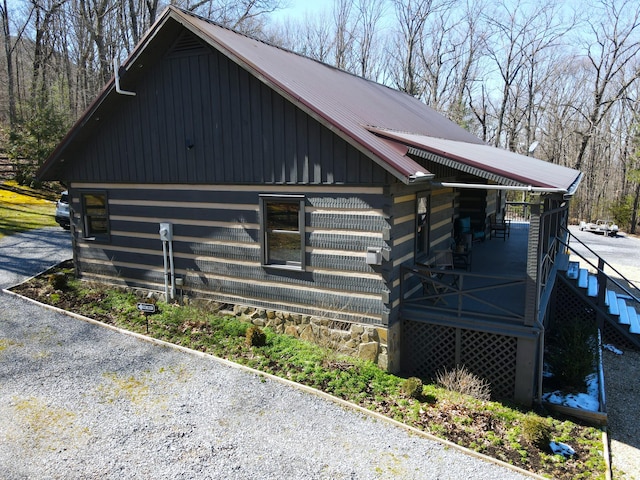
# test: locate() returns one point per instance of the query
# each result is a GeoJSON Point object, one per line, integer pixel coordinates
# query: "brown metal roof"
{"type": "Point", "coordinates": [499, 165]}
{"type": "Point", "coordinates": [352, 107]}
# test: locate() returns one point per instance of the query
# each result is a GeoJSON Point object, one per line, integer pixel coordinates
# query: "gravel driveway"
{"type": "Point", "coordinates": [29, 253]}
{"type": "Point", "coordinates": [82, 401]}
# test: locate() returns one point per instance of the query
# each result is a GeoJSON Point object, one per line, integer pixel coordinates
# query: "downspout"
{"type": "Point", "coordinates": [116, 73]}
{"type": "Point", "coordinates": [173, 272]}
{"type": "Point", "coordinates": [166, 274]}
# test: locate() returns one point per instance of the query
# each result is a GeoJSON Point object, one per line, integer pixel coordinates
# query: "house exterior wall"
{"type": "Point", "coordinates": [196, 147]}
{"type": "Point", "coordinates": [198, 118]}
{"type": "Point", "coordinates": [216, 246]}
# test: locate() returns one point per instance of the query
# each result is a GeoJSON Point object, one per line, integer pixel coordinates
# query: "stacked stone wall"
{"type": "Point", "coordinates": [366, 342]}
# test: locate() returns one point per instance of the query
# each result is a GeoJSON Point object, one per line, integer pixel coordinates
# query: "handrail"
{"type": "Point", "coordinates": [600, 268]}
{"type": "Point", "coordinates": [452, 292]}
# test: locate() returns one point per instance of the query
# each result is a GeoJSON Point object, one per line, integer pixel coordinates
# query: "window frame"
{"type": "Point", "coordinates": [422, 254]}
{"type": "Point", "coordinates": [87, 232]}
{"type": "Point", "coordinates": [266, 260]}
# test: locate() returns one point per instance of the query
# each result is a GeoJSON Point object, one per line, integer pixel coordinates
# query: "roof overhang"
{"type": "Point", "coordinates": [505, 168]}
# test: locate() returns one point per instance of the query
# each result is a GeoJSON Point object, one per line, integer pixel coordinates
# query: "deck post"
{"type": "Point", "coordinates": [533, 260]}
{"type": "Point", "coordinates": [525, 371]}
{"type": "Point", "coordinates": [527, 348]}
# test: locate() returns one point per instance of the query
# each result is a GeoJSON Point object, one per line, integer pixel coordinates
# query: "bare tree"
{"type": "Point", "coordinates": [9, 48]}
{"type": "Point", "coordinates": [44, 16]}
{"type": "Point", "coordinates": [343, 35]}
{"type": "Point", "coordinates": [612, 52]}
{"type": "Point", "coordinates": [370, 13]}
{"type": "Point", "coordinates": [242, 15]}
{"type": "Point", "coordinates": [412, 17]}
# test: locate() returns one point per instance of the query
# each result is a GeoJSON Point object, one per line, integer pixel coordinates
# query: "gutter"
{"type": "Point", "coordinates": [482, 186]}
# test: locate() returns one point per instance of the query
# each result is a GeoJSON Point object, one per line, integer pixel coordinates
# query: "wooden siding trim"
{"type": "Point", "coordinates": [345, 211]}
{"type": "Point", "coordinates": [440, 239]}
{"type": "Point", "coordinates": [231, 279]}
{"type": "Point", "coordinates": [405, 198]}
{"type": "Point", "coordinates": [402, 260]}
{"type": "Point", "coordinates": [442, 223]}
{"type": "Point", "coordinates": [173, 204]}
{"type": "Point", "coordinates": [325, 271]}
{"type": "Point", "coordinates": [185, 239]}
{"type": "Point", "coordinates": [323, 251]}
{"type": "Point", "coordinates": [145, 251]}
{"type": "Point", "coordinates": [442, 191]}
{"type": "Point", "coordinates": [405, 219]}
{"type": "Point", "coordinates": [407, 238]}
{"type": "Point", "coordinates": [308, 189]}
{"type": "Point", "coordinates": [441, 208]}
{"type": "Point", "coordinates": [181, 221]}
{"type": "Point", "coordinates": [360, 233]}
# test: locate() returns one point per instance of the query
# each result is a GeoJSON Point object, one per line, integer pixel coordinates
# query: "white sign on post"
{"type": "Point", "coordinates": [147, 307]}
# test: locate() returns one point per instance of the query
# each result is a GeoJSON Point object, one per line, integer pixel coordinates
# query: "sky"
{"type": "Point", "coordinates": [298, 8]}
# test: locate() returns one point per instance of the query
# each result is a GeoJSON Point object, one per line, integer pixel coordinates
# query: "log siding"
{"type": "Point", "coordinates": [217, 249]}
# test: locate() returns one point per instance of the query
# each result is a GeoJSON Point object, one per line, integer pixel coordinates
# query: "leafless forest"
{"type": "Point", "coordinates": [559, 80]}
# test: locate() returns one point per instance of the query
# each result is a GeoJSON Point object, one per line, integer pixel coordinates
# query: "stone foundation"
{"type": "Point", "coordinates": [366, 342]}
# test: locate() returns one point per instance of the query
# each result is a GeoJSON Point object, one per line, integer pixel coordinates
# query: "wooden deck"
{"type": "Point", "coordinates": [493, 288]}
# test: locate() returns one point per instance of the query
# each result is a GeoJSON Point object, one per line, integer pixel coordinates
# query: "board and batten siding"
{"type": "Point", "coordinates": [217, 252]}
{"type": "Point", "coordinates": [198, 118]}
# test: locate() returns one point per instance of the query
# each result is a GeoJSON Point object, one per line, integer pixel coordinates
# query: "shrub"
{"type": "Point", "coordinates": [463, 381]}
{"type": "Point", "coordinates": [572, 351]}
{"type": "Point", "coordinates": [536, 431]}
{"type": "Point", "coordinates": [255, 337]}
{"type": "Point", "coordinates": [58, 281]}
{"type": "Point", "coordinates": [412, 387]}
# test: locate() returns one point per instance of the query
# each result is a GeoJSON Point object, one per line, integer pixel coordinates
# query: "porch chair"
{"type": "Point", "coordinates": [499, 228]}
{"type": "Point", "coordinates": [464, 228]}
{"type": "Point", "coordinates": [434, 285]}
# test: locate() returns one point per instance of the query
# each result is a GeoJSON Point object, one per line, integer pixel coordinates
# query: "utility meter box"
{"type": "Point", "coordinates": [374, 256]}
{"type": "Point", "coordinates": [166, 232]}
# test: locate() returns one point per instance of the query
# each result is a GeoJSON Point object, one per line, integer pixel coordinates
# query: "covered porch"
{"type": "Point", "coordinates": [492, 287]}
{"type": "Point", "coordinates": [479, 317]}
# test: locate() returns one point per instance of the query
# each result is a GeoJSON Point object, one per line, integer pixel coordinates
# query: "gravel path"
{"type": "Point", "coordinates": [82, 401]}
{"type": "Point", "coordinates": [29, 253]}
{"type": "Point", "coordinates": [622, 380]}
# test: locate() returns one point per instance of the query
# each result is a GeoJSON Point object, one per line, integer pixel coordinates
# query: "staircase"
{"type": "Point", "coordinates": [612, 299]}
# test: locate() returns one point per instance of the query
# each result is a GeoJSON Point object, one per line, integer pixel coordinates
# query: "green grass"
{"type": "Point", "coordinates": [23, 208]}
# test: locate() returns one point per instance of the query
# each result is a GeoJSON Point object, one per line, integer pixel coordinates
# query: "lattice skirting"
{"type": "Point", "coordinates": [568, 306]}
{"type": "Point", "coordinates": [429, 348]}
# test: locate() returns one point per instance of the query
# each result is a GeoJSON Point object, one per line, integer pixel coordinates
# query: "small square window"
{"type": "Point", "coordinates": [95, 215]}
{"type": "Point", "coordinates": [282, 231]}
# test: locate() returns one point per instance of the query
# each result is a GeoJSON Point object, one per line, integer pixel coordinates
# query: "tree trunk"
{"type": "Point", "coordinates": [6, 30]}
{"type": "Point", "coordinates": [634, 212]}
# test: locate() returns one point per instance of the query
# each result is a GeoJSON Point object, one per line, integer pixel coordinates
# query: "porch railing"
{"type": "Point", "coordinates": [459, 294]}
